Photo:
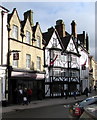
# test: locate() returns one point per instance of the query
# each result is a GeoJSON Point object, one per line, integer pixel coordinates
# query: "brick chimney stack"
{"type": "Point", "coordinates": [73, 29]}
{"type": "Point", "coordinates": [60, 27]}
{"type": "Point", "coordinates": [29, 15]}
{"type": "Point", "coordinates": [87, 42]}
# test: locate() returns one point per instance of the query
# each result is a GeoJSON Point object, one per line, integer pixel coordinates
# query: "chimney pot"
{"type": "Point", "coordinates": [73, 29]}
{"type": "Point", "coordinates": [29, 14]}
{"type": "Point", "coordinates": [60, 27]}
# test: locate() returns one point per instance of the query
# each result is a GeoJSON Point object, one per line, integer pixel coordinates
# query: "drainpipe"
{"type": "Point", "coordinates": [2, 13]}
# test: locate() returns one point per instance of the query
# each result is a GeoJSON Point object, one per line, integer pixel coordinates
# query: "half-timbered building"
{"type": "Point", "coordinates": [83, 47]}
{"type": "Point", "coordinates": [61, 64]}
{"type": "Point", "coordinates": [66, 60]}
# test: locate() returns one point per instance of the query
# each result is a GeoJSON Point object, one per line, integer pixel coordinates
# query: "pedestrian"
{"type": "Point", "coordinates": [95, 87]}
{"type": "Point", "coordinates": [20, 95]}
{"type": "Point", "coordinates": [16, 96]}
{"type": "Point", "coordinates": [86, 91]}
{"type": "Point", "coordinates": [29, 94]}
{"type": "Point", "coordinates": [40, 93]}
{"type": "Point", "coordinates": [74, 94]}
{"type": "Point", "coordinates": [62, 92]}
{"type": "Point", "coordinates": [66, 94]}
{"type": "Point", "coordinates": [25, 100]}
{"type": "Point", "coordinates": [90, 89]}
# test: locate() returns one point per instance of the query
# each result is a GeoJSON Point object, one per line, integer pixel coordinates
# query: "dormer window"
{"type": "Point", "coordinates": [38, 41]}
{"type": "Point", "coordinates": [15, 32]}
{"type": "Point", "coordinates": [28, 37]}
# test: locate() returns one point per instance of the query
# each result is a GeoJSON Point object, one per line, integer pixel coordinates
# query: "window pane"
{"type": "Point", "coordinates": [38, 63]}
{"type": "Point", "coordinates": [54, 42]}
{"type": "Point", "coordinates": [15, 63]}
{"type": "Point", "coordinates": [74, 59]}
{"type": "Point", "coordinates": [27, 37]}
{"type": "Point", "coordinates": [15, 32]}
{"type": "Point", "coordinates": [28, 61]}
{"type": "Point", "coordinates": [38, 41]}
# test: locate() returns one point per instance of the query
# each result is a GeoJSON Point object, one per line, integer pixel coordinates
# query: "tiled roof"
{"type": "Point", "coordinates": [34, 29]}
{"type": "Point", "coordinates": [65, 41]}
{"type": "Point", "coordinates": [22, 25]}
{"type": "Point", "coordinates": [80, 37]}
{"type": "Point", "coordinates": [47, 35]}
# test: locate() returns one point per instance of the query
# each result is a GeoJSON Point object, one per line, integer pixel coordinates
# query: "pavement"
{"type": "Point", "coordinates": [44, 102]}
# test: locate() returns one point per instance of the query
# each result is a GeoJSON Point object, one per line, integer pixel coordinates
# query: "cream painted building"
{"type": "Point", "coordinates": [26, 54]}
{"type": "Point", "coordinates": [92, 71]}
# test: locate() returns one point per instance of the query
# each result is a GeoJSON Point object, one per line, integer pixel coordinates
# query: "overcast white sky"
{"type": "Point", "coordinates": [47, 13]}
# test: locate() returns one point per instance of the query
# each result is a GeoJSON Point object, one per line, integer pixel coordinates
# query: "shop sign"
{"type": "Point", "coordinates": [25, 74]}
{"type": "Point", "coordinates": [40, 76]}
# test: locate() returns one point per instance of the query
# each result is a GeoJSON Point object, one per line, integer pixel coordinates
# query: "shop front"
{"type": "Point", "coordinates": [26, 79]}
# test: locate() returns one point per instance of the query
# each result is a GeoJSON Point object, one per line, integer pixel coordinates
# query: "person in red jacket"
{"type": "Point", "coordinates": [29, 94]}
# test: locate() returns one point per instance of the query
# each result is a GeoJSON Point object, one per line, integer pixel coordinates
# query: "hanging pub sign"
{"type": "Point", "coordinates": [16, 56]}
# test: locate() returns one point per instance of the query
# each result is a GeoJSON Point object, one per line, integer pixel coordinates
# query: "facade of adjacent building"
{"type": "Point", "coordinates": [82, 43]}
{"type": "Point", "coordinates": [66, 60]}
{"type": "Point", "coordinates": [83, 47]}
{"type": "Point", "coordinates": [25, 54]}
{"type": "Point", "coordinates": [3, 51]}
{"type": "Point", "coordinates": [62, 61]}
{"type": "Point", "coordinates": [92, 71]}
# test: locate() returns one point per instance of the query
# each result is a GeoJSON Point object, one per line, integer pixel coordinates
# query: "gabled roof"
{"type": "Point", "coordinates": [34, 29]}
{"type": "Point", "coordinates": [60, 41]}
{"type": "Point", "coordinates": [47, 36]}
{"type": "Point", "coordinates": [11, 14]}
{"type": "Point", "coordinates": [4, 8]}
{"type": "Point", "coordinates": [22, 25]}
{"type": "Point", "coordinates": [66, 40]}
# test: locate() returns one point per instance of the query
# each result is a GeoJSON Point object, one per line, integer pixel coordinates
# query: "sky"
{"type": "Point", "coordinates": [47, 13]}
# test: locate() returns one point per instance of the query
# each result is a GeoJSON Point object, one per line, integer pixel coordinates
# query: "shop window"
{"type": "Point", "coordinates": [15, 32]}
{"type": "Point", "coordinates": [56, 88]}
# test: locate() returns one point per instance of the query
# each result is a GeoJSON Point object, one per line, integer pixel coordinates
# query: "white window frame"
{"type": "Point", "coordinates": [28, 61]}
{"type": "Point", "coordinates": [15, 32]}
{"type": "Point", "coordinates": [15, 63]}
{"type": "Point", "coordinates": [74, 59]}
{"type": "Point", "coordinates": [28, 37]}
